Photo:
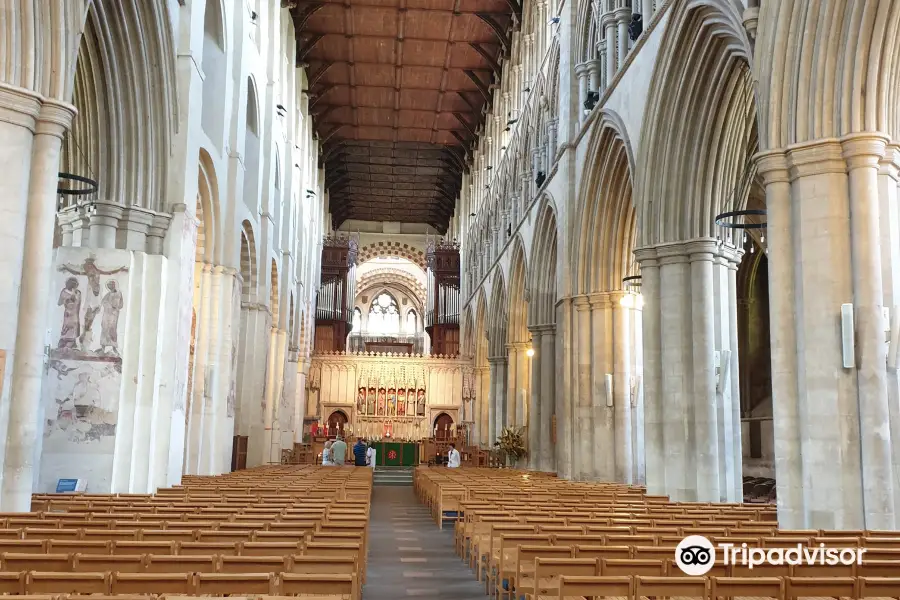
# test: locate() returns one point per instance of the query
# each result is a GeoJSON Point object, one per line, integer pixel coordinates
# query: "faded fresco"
{"type": "Point", "coordinates": [81, 393]}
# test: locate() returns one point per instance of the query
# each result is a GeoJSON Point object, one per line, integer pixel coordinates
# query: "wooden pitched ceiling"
{"type": "Point", "coordinates": [398, 90]}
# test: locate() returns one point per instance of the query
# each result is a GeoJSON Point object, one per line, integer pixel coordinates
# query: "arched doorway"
{"type": "Point", "coordinates": [336, 423]}
{"type": "Point", "coordinates": [442, 425]}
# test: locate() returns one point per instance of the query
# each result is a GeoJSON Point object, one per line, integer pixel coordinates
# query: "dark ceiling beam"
{"type": "Point", "coordinates": [298, 4]}
{"type": "Point", "coordinates": [303, 52]}
{"type": "Point", "coordinates": [460, 138]}
{"type": "Point", "coordinates": [363, 64]}
{"type": "Point", "coordinates": [302, 14]}
{"type": "Point", "coordinates": [499, 31]}
{"type": "Point", "coordinates": [495, 66]}
{"type": "Point", "coordinates": [466, 124]}
{"type": "Point", "coordinates": [314, 97]}
{"type": "Point", "coordinates": [318, 74]}
{"type": "Point", "coordinates": [327, 110]}
{"type": "Point", "coordinates": [396, 89]}
{"type": "Point", "coordinates": [485, 92]}
{"type": "Point", "coordinates": [331, 133]}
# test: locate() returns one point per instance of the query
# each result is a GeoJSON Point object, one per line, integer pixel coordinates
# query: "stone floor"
{"type": "Point", "coordinates": [409, 557]}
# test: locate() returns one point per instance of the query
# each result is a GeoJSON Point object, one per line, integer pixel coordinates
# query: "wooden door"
{"type": "Point", "coordinates": [442, 426]}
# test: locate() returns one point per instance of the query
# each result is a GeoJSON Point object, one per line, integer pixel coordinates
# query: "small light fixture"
{"type": "Point", "coordinates": [530, 352]}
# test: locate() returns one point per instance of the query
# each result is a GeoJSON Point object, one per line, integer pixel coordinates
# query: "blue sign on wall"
{"type": "Point", "coordinates": [66, 485]}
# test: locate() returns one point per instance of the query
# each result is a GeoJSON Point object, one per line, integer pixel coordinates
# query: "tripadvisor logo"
{"type": "Point", "coordinates": [695, 555]}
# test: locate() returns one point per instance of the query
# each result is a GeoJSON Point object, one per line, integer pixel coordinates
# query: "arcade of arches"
{"type": "Point", "coordinates": [660, 236]}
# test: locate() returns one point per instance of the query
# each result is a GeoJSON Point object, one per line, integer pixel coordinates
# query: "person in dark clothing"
{"type": "Point", "coordinates": [359, 453]}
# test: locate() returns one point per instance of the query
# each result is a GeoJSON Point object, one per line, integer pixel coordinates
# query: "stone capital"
{"type": "Point", "coordinates": [581, 303]}
{"type": "Point", "coordinates": [55, 118]}
{"type": "Point", "coordinates": [607, 19]}
{"type": "Point", "coordinates": [623, 14]}
{"type": "Point", "coordinates": [773, 166]}
{"type": "Point", "coordinates": [646, 256]}
{"type": "Point", "coordinates": [816, 158]}
{"type": "Point", "coordinates": [670, 253]}
{"type": "Point", "coordinates": [499, 361]}
{"type": "Point", "coordinates": [600, 300]}
{"type": "Point", "coordinates": [19, 106]}
{"type": "Point", "coordinates": [546, 329]}
{"type": "Point", "coordinates": [700, 250]}
{"type": "Point", "coordinates": [890, 162]}
{"type": "Point", "coordinates": [863, 150]}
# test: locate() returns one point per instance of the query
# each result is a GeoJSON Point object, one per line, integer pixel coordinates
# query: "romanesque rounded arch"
{"type": "Point", "coordinates": [126, 118]}
{"type": "Point", "coordinates": [542, 302]}
{"type": "Point", "coordinates": [605, 217]}
{"type": "Point", "coordinates": [517, 328]}
{"type": "Point", "coordinates": [388, 249]}
{"type": "Point", "coordinates": [248, 262]}
{"type": "Point", "coordinates": [253, 107]}
{"type": "Point", "coordinates": [387, 277]}
{"type": "Point", "coordinates": [207, 209]}
{"type": "Point", "coordinates": [699, 128]}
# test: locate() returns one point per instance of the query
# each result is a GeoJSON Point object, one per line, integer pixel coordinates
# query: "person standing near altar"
{"type": "Point", "coordinates": [338, 452]}
{"type": "Point", "coordinates": [370, 456]}
{"type": "Point", "coordinates": [359, 453]}
{"type": "Point", "coordinates": [453, 457]}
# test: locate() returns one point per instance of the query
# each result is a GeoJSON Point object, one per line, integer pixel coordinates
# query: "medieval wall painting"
{"type": "Point", "coordinates": [83, 385]}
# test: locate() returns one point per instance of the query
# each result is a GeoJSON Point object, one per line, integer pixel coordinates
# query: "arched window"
{"type": "Point", "coordinates": [411, 324]}
{"type": "Point", "coordinates": [384, 316]}
{"type": "Point", "coordinates": [357, 320]}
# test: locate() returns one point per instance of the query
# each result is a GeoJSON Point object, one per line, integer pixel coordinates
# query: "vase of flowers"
{"type": "Point", "coordinates": [512, 444]}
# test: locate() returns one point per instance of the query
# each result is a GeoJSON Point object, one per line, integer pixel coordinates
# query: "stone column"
{"type": "Point", "coordinates": [300, 400]}
{"type": "Point", "coordinates": [512, 386]}
{"type": "Point", "coordinates": [500, 397]}
{"type": "Point", "coordinates": [583, 426]}
{"type": "Point", "coordinates": [654, 453]}
{"type": "Point", "coordinates": [773, 167]}
{"type": "Point", "coordinates": [602, 448]}
{"type": "Point", "coordinates": [548, 403]}
{"type": "Point", "coordinates": [492, 403]}
{"type": "Point", "coordinates": [553, 134]}
{"type": "Point", "coordinates": [535, 424]}
{"type": "Point", "coordinates": [484, 391]}
{"type": "Point", "coordinates": [734, 464]}
{"type": "Point", "coordinates": [623, 360]}
{"type": "Point", "coordinates": [863, 153]}
{"type": "Point", "coordinates": [581, 71]}
{"type": "Point", "coordinates": [566, 373]}
{"type": "Point", "coordinates": [623, 17]}
{"type": "Point", "coordinates": [28, 359]}
{"type": "Point", "coordinates": [608, 22]}
{"type": "Point", "coordinates": [706, 433]}
{"type": "Point", "coordinates": [675, 342]}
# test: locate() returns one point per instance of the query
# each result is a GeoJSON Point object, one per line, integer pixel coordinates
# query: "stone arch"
{"type": "Point", "coordinates": [605, 216]}
{"type": "Point", "coordinates": [388, 249]}
{"type": "Point", "coordinates": [207, 209]}
{"type": "Point", "coordinates": [122, 134]}
{"type": "Point", "coordinates": [807, 101]}
{"type": "Point", "coordinates": [467, 343]}
{"type": "Point", "coordinates": [383, 277]}
{"type": "Point", "coordinates": [517, 327]}
{"type": "Point", "coordinates": [214, 71]}
{"type": "Point", "coordinates": [252, 148]}
{"type": "Point", "coordinates": [542, 304]}
{"type": "Point", "coordinates": [248, 262]}
{"type": "Point", "coordinates": [498, 316]}
{"type": "Point", "coordinates": [699, 129]}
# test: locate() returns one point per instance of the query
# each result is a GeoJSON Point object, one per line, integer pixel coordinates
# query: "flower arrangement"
{"type": "Point", "coordinates": [512, 443]}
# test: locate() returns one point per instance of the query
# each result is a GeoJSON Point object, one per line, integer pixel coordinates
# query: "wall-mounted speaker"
{"type": "Point", "coordinates": [848, 343]}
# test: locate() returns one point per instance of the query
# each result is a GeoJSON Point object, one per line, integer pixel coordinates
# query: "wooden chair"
{"type": "Point", "coordinates": [255, 564]}
{"type": "Point", "coordinates": [544, 580]}
{"type": "Point", "coordinates": [98, 547]}
{"type": "Point", "coordinates": [152, 583]}
{"type": "Point", "coordinates": [36, 562]}
{"type": "Point", "coordinates": [12, 583]}
{"type": "Point", "coordinates": [101, 563]}
{"type": "Point", "coordinates": [208, 548]}
{"type": "Point", "coordinates": [878, 587]}
{"type": "Point", "coordinates": [324, 586]}
{"type": "Point", "coordinates": [671, 587]}
{"type": "Point", "coordinates": [577, 587]}
{"type": "Point", "coordinates": [169, 563]}
{"type": "Point", "coordinates": [45, 582]}
{"type": "Point", "coordinates": [235, 583]}
{"type": "Point", "coordinates": [631, 566]}
{"type": "Point", "coordinates": [600, 551]}
{"type": "Point", "coordinates": [121, 547]}
{"type": "Point", "coordinates": [819, 587]}
{"type": "Point", "coordinates": [270, 548]}
{"type": "Point", "coordinates": [756, 587]}
{"type": "Point", "coordinates": [24, 546]}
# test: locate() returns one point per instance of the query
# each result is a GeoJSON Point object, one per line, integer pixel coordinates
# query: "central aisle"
{"type": "Point", "coordinates": [409, 556]}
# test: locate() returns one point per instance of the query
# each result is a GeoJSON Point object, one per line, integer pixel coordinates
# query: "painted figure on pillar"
{"type": "Point", "coordinates": [401, 402]}
{"type": "Point", "coordinates": [361, 400]}
{"type": "Point", "coordinates": [370, 408]}
{"type": "Point", "coordinates": [420, 403]}
{"type": "Point", "coordinates": [70, 300]}
{"type": "Point", "coordinates": [109, 325]}
{"type": "Point", "coordinates": [90, 270]}
{"type": "Point", "coordinates": [392, 402]}
{"type": "Point", "coordinates": [381, 401]}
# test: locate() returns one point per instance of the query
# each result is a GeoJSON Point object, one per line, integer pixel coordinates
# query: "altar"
{"type": "Point", "coordinates": [396, 454]}
{"type": "Point", "coordinates": [389, 398]}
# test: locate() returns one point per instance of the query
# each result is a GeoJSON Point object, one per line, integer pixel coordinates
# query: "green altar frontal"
{"type": "Point", "coordinates": [396, 454]}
